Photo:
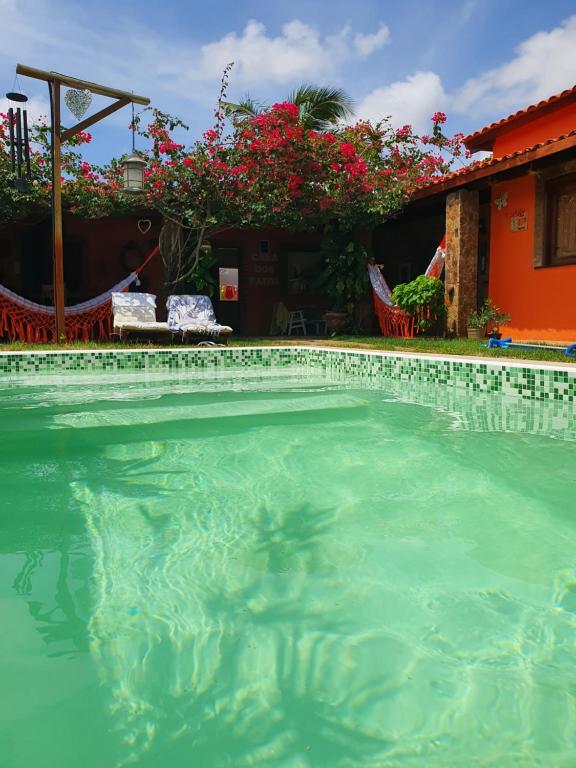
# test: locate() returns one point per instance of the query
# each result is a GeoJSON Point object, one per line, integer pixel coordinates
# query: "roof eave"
{"type": "Point", "coordinates": [494, 167]}
{"type": "Point", "coordinates": [483, 140]}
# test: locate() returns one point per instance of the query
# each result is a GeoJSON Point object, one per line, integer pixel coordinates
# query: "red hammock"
{"type": "Point", "coordinates": [394, 321]}
{"type": "Point", "coordinates": [24, 320]}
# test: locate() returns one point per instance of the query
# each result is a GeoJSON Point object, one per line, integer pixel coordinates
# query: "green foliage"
{"type": "Point", "coordinates": [488, 315]}
{"type": "Point", "coordinates": [320, 108]}
{"type": "Point", "coordinates": [344, 278]}
{"type": "Point", "coordinates": [202, 280]}
{"type": "Point", "coordinates": [422, 298]}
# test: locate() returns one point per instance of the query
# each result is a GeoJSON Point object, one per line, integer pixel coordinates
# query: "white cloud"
{"type": "Point", "coordinates": [298, 52]}
{"type": "Point", "coordinates": [166, 66]}
{"type": "Point", "coordinates": [367, 44]}
{"type": "Point", "coordinates": [544, 64]}
{"type": "Point", "coordinates": [413, 101]}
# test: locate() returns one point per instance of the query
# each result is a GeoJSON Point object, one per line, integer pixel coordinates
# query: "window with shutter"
{"type": "Point", "coordinates": [561, 224]}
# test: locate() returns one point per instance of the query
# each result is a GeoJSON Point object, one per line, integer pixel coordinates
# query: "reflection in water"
{"type": "Point", "coordinates": [201, 623]}
{"type": "Point", "coordinates": [53, 604]}
{"type": "Point", "coordinates": [32, 562]}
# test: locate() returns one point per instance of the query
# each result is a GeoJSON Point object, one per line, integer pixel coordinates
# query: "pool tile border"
{"type": "Point", "coordinates": [530, 381]}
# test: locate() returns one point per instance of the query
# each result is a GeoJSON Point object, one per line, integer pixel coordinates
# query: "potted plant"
{"type": "Point", "coordinates": [489, 316]}
{"type": "Point", "coordinates": [423, 299]}
{"type": "Point", "coordinates": [496, 318]}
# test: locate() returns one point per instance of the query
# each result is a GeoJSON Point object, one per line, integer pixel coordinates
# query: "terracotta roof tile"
{"type": "Point", "coordinates": [490, 162]}
{"type": "Point", "coordinates": [474, 138]}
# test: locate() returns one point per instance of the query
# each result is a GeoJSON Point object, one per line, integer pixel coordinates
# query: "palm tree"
{"type": "Point", "coordinates": [320, 108]}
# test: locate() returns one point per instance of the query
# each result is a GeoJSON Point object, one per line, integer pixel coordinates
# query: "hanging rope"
{"type": "Point", "coordinates": [26, 321]}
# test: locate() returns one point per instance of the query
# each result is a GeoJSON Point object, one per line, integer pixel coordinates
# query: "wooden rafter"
{"type": "Point", "coordinates": [74, 82]}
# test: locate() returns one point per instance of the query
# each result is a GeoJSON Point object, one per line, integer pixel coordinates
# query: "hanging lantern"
{"type": "Point", "coordinates": [19, 141]}
{"type": "Point", "coordinates": [133, 173]}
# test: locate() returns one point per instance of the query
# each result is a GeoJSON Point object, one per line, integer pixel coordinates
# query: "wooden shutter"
{"type": "Point", "coordinates": [562, 221]}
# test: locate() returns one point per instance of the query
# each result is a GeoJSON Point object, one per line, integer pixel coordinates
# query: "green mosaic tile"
{"type": "Point", "coordinates": [480, 377]}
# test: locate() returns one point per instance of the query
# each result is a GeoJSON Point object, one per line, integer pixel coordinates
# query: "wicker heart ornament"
{"type": "Point", "coordinates": [78, 100]}
{"type": "Point", "coordinates": [144, 225]}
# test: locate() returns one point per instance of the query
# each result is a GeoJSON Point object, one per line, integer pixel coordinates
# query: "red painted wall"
{"type": "Point", "coordinates": [262, 275]}
{"type": "Point", "coordinates": [103, 243]}
{"type": "Point", "coordinates": [542, 301]}
{"type": "Point", "coordinates": [536, 130]}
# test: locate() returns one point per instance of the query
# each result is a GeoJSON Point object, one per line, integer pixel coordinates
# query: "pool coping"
{"type": "Point", "coordinates": [386, 353]}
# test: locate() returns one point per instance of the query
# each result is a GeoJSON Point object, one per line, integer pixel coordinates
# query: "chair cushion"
{"type": "Point", "coordinates": [133, 308]}
{"type": "Point", "coordinates": [191, 312]}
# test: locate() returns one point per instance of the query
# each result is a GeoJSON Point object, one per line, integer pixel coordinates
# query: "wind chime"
{"type": "Point", "coordinates": [19, 141]}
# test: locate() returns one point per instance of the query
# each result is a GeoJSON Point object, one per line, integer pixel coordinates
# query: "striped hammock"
{"type": "Point", "coordinates": [26, 321]}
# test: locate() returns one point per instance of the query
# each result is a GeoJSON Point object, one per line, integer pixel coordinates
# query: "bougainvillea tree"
{"type": "Point", "coordinates": [269, 170]}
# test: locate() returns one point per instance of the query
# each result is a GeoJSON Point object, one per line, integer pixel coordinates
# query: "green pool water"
{"type": "Point", "coordinates": [287, 570]}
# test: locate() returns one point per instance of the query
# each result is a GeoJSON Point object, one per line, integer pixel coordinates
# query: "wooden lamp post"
{"type": "Point", "coordinates": [59, 136]}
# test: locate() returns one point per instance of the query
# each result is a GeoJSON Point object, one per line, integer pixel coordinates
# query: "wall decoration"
{"type": "Point", "coordinates": [228, 279]}
{"type": "Point", "coordinates": [519, 221]}
{"type": "Point", "coordinates": [502, 201]}
{"type": "Point", "coordinates": [144, 225]}
{"type": "Point", "coordinates": [78, 100]}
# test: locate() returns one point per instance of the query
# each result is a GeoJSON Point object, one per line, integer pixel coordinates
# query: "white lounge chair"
{"type": "Point", "coordinates": [194, 316]}
{"type": "Point", "coordinates": [135, 313]}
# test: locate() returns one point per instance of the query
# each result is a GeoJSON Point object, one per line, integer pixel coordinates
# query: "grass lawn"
{"type": "Point", "coordinates": [436, 346]}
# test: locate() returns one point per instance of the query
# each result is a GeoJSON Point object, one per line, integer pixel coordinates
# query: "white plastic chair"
{"type": "Point", "coordinates": [296, 322]}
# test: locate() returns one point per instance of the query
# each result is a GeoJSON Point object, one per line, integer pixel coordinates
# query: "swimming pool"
{"type": "Point", "coordinates": [285, 567]}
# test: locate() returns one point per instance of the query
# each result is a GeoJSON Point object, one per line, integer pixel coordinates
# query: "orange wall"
{"type": "Point", "coordinates": [542, 301]}
{"type": "Point", "coordinates": [536, 130]}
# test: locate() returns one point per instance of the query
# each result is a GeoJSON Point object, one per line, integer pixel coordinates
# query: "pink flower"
{"type": "Point", "coordinates": [439, 118]}
{"type": "Point", "coordinates": [287, 108]}
{"type": "Point", "coordinates": [403, 132]}
{"type": "Point", "coordinates": [294, 184]}
{"type": "Point", "coordinates": [347, 150]}
{"type": "Point", "coordinates": [169, 146]}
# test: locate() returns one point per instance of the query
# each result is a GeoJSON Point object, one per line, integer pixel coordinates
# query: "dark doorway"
{"type": "Point", "coordinates": [405, 246]}
{"type": "Point", "coordinates": [37, 265]}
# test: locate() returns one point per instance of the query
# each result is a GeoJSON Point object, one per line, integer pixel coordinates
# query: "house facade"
{"type": "Point", "coordinates": [510, 222]}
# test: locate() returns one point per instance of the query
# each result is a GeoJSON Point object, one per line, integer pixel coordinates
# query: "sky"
{"type": "Point", "coordinates": [476, 60]}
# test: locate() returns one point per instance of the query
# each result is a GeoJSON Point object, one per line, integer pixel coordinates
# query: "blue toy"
{"type": "Point", "coordinates": [507, 343]}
